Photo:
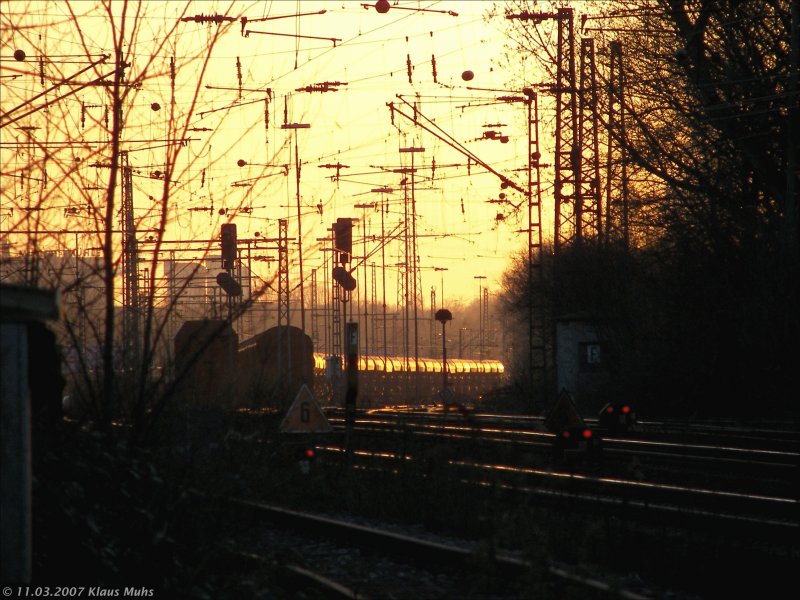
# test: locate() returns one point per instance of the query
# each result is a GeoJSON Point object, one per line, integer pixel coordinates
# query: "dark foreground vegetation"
{"type": "Point", "coordinates": [111, 514]}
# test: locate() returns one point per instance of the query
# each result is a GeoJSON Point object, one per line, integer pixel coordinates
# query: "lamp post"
{"type": "Point", "coordinates": [443, 316]}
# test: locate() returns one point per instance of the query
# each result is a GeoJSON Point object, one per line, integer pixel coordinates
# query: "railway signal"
{"type": "Point", "coordinates": [616, 417]}
{"type": "Point", "coordinates": [226, 281]}
{"type": "Point", "coordinates": [228, 242]}
{"type": "Point", "coordinates": [307, 456]}
{"type": "Point", "coordinates": [576, 442]}
{"type": "Point", "coordinates": [343, 277]}
{"type": "Point", "coordinates": [343, 238]}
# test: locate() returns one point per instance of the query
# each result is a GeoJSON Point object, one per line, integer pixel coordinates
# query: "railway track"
{"type": "Point", "coordinates": [770, 435]}
{"type": "Point", "coordinates": [689, 483]}
{"type": "Point", "coordinates": [685, 506]}
{"type": "Point", "coordinates": [726, 467]}
{"type": "Point", "coordinates": [506, 469]}
{"type": "Point", "coordinates": [383, 563]}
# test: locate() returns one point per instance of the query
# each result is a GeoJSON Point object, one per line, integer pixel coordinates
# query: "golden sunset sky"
{"type": "Point", "coordinates": [249, 89]}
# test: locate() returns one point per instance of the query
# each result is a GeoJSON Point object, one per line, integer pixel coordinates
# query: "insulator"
{"type": "Point", "coordinates": [239, 75]}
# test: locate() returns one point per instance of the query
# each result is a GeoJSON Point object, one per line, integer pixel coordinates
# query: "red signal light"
{"type": "Point", "coordinates": [309, 453]}
{"type": "Point", "coordinates": [587, 433]}
{"type": "Point", "coordinates": [626, 409]}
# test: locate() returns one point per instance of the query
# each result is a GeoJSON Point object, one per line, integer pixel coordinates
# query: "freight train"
{"type": "Point", "coordinates": [210, 362]}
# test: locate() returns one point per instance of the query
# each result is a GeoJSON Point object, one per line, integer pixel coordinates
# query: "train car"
{"type": "Point", "coordinates": [274, 364]}
{"type": "Point", "coordinates": [388, 380]}
{"type": "Point", "coordinates": [206, 359]}
{"type": "Point", "coordinates": [270, 367]}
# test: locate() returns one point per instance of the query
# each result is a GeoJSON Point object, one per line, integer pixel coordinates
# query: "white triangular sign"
{"type": "Point", "coordinates": [305, 415]}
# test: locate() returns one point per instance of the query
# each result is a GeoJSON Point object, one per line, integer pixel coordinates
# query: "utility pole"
{"type": "Point", "coordinates": [374, 290]}
{"type": "Point", "coordinates": [566, 152]}
{"type": "Point", "coordinates": [384, 208]}
{"type": "Point", "coordinates": [792, 130]}
{"type": "Point", "coordinates": [413, 150]}
{"type": "Point", "coordinates": [588, 217]}
{"type": "Point", "coordinates": [567, 160]}
{"type": "Point", "coordinates": [481, 325]}
{"type": "Point", "coordinates": [402, 285]}
{"type": "Point", "coordinates": [487, 336]}
{"type": "Point", "coordinates": [364, 208]}
{"type": "Point", "coordinates": [314, 308]}
{"type": "Point", "coordinates": [295, 127]}
{"type": "Point", "coordinates": [284, 318]}
{"type": "Point", "coordinates": [616, 222]}
{"type": "Point", "coordinates": [537, 355]}
{"type": "Point", "coordinates": [130, 269]}
{"type": "Point", "coordinates": [567, 157]}
{"type": "Point", "coordinates": [329, 303]}
{"type": "Point", "coordinates": [432, 328]}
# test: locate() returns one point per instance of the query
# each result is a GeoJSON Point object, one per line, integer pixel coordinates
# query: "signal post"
{"type": "Point", "coordinates": [351, 390]}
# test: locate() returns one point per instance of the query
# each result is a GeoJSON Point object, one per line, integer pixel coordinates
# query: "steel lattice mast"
{"type": "Point", "coordinates": [284, 352]}
{"type": "Point", "coordinates": [567, 156]}
{"type": "Point", "coordinates": [588, 208]}
{"type": "Point", "coordinates": [130, 268]}
{"type": "Point", "coordinates": [616, 221]}
{"type": "Point", "coordinates": [537, 357]}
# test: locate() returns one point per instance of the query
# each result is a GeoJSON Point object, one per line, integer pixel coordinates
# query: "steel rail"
{"type": "Point", "coordinates": [409, 548]}
{"type": "Point", "coordinates": [330, 587]}
{"type": "Point", "coordinates": [674, 499]}
{"type": "Point", "coordinates": [622, 445]}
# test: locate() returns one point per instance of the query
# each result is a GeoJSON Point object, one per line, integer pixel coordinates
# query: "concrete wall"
{"type": "Point", "coordinates": [18, 307]}
{"type": "Point", "coordinates": [582, 364]}
{"type": "Point", "coordinates": [15, 456]}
